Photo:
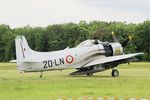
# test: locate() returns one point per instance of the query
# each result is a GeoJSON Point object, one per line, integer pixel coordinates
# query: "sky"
{"type": "Point", "coordinates": [19, 13]}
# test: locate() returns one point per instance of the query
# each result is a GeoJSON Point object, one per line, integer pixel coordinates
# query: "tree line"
{"type": "Point", "coordinates": [60, 36]}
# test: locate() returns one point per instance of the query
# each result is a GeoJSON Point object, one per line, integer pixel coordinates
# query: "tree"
{"type": "Point", "coordinates": [142, 39]}
{"type": "Point", "coordinates": [60, 36]}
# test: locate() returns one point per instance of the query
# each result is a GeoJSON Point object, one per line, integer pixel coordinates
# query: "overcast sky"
{"type": "Point", "coordinates": [18, 13]}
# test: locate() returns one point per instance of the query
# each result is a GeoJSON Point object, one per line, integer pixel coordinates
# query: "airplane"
{"type": "Point", "coordinates": [89, 57]}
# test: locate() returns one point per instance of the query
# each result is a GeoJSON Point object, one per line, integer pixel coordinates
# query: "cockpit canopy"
{"type": "Point", "coordinates": [88, 43]}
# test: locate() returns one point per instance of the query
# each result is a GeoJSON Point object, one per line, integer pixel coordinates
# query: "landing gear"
{"type": "Point", "coordinates": [89, 74]}
{"type": "Point", "coordinates": [41, 75]}
{"type": "Point", "coordinates": [115, 73]}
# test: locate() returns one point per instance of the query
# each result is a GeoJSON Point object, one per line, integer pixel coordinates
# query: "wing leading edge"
{"type": "Point", "coordinates": [111, 59]}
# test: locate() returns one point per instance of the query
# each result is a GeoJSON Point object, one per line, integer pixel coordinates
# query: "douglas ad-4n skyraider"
{"type": "Point", "coordinates": [88, 57]}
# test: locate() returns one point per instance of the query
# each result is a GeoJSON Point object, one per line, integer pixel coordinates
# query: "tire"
{"type": "Point", "coordinates": [115, 73]}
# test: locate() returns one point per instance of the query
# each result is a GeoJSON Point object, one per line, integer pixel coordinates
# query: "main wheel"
{"type": "Point", "coordinates": [115, 73]}
{"type": "Point", "coordinates": [89, 74]}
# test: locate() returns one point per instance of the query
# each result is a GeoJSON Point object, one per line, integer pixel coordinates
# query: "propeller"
{"type": "Point", "coordinates": [114, 37]}
{"type": "Point", "coordinates": [124, 43]}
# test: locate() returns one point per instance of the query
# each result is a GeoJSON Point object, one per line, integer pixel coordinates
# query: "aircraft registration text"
{"type": "Point", "coordinates": [54, 62]}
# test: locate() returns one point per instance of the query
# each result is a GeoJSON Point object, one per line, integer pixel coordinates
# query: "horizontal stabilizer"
{"type": "Point", "coordinates": [31, 60]}
{"type": "Point", "coordinates": [13, 61]}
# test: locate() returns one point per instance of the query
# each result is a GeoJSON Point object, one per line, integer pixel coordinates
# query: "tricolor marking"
{"type": "Point", "coordinates": [69, 59]}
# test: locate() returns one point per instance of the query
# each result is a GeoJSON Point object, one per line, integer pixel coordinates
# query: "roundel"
{"type": "Point", "coordinates": [69, 59]}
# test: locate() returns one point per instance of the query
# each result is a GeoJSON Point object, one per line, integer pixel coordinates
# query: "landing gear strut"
{"type": "Point", "coordinates": [115, 73]}
{"type": "Point", "coordinates": [89, 74]}
{"type": "Point", "coordinates": [41, 75]}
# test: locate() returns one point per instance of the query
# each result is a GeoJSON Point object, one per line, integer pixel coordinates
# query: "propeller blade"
{"type": "Point", "coordinates": [114, 37]}
{"type": "Point", "coordinates": [124, 43]}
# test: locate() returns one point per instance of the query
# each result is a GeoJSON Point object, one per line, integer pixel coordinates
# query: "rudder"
{"type": "Point", "coordinates": [22, 50]}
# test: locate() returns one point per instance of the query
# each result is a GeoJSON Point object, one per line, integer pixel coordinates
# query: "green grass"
{"type": "Point", "coordinates": [134, 81]}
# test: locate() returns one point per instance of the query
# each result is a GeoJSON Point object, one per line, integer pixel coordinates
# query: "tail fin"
{"type": "Point", "coordinates": [22, 50]}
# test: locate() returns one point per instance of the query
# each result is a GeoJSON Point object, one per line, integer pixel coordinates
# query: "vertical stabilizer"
{"type": "Point", "coordinates": [22, 51]}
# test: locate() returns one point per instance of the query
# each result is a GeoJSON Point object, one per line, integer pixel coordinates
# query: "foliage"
{"type": "Point", "coordinates": [142, 40]}
{"type": "Point", "coordinates": [60, 36]}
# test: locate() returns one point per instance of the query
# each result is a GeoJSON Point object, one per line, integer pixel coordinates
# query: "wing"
{"type": "Point", "coordinates": [111, 59]}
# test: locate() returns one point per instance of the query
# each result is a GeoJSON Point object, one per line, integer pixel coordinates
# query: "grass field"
{"type": "Point", "coordinates": [134, 81]}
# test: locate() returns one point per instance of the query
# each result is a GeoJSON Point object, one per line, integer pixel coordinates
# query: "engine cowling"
{"type": "Point", "coordinates": [112, 49]}
{"type": "Point", "coordinates": [117, 48]}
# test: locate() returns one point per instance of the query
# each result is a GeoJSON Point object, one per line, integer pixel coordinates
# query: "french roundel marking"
{"type": "Point", "coordinates": [69, 59]}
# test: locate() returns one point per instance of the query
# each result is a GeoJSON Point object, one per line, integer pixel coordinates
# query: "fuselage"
{"type": "Point", "coordinates": [63, 59]}
{"type": "Point", "coordinates": [89, 57]}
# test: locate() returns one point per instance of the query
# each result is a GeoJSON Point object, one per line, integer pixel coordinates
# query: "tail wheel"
{"type": "Point", "coordinates": [115, 73]}
{"type": "Point", "coordinates": [41, 75]}
{"type": "Point", "coordinates": [89, 74]}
